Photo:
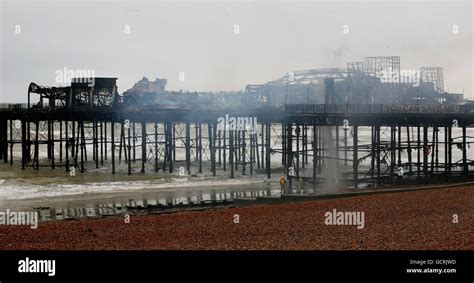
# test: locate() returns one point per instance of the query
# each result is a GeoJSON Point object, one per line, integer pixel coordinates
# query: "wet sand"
{"type": "Point", "coordinates": [29, 189]}
{"type": "Point", "coordinates": [420, 220]}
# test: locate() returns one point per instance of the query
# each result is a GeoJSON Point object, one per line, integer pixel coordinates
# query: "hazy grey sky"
{"type": "Point", "coordinates": [198, 38]}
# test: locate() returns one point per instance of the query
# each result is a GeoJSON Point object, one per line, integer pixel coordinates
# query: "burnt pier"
{"type": "Point", "coordinates": [310, 144]}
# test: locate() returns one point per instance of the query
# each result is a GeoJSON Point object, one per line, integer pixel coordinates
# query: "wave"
{"type": "Point", "coordinates": [12, 190]}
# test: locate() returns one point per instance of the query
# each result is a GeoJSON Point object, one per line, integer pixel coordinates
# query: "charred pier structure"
{"type": "Point", "coordinates": [84, 127]}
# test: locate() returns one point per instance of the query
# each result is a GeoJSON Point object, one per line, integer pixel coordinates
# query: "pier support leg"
{"type": "Point", "coordinates": [345, 146]}
{"type": "Point", "coordinates": [134, 142]}
{"type": "Point", "coordinates": [315, 145]}
{"type": "Point", "coordinates": [410, 168]}
{"type": "Point", "coordinates": [199, 139]}
{"type": "Point", "coordinates": [450, 150]}
{"type": "Point", "coordinates": [173, 140]}
{"type": "Point", "coordinates": [129, 150]}
{"type": "Point", "coordinates": [224, 154]}
{"type": "Point", "coordinates": [219, 146]}
{"type": "Point", "coordinates": [75, 143]}
{"type": "Point", "coordinates": [378, 153]}
{"type": "Point", "coordinates": [28, 150]}
{"type": "Point", "coordinates": [297, 153]}
{"type": "Point", "coordinates": [4, 140]}
{"type": "Point", "coordinates": [289, 158]}
{"type": "Point", "coordinates": [337, 153]}
{"type": "Point", "coordinates": [437, 150]}
{"type": "Point", "coordinates": [102, 143]}
{"type": "Point", "coordinates": [188, 148]}
{"type": "Point", "coordinates": [355, 158]}
{"type": "Point", "coordinates": [156, 148]}
{"type": "Point", "coordinates": [169, 142]}
{"type": "Point", "coordinates": [399, 146]}
{"type": "Point", "coordinates": [372, 152]}
{"type": "Point", "coordinates": [95, 129]}
{"type": "Point", "coordinates": [418, 152]}
{"type": "Point", "coordinates": [231, 153]}
{"type": "Point", "coordinates": [11, 143]}
{"type": "Point", "coordinates": [283, 144]}
{"type": "Point", "coordinates": [446, 141]}
{"type": "Point", "coordinates": [464, 152]}
{"type": "Point", "coordinates": [83, 146]}
{"type": "Point", "coordinates": [433, 147]}
{"type": "Point", "coordinates": [268, 149]}
{"type": "Point", "coordinates": [251, 152]}
{"type": "Point", "coordinates": [121, 141]}
{"type": "Point", "coordinates": [214, 150]}
{"type": "Point", "coordinates": [51, 144]}
{"type": "Point", "coordinates": [262, 150]}
{"type": "Point", "coordinates": [425, 153]}
{"type": "Point", "coordinates": [61, 141]}
{"type": "Point", "coordinates": [243, 151]}
{"type": "Point", "coordinates": [144, 147]}
{"type": "Point", "coordinates": [105, 140]}
{"type": "Point", "coordinates": [393, 132]}
{"type": "Point", "coordinates": [112, 145]}
{"type": "Point", "coordinates": [66, 133]}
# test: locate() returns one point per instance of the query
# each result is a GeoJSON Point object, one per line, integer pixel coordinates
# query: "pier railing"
{"type": "Point", "coordinates": [377, 109]}
{"type": "Point", "coordinates": [310, 108]}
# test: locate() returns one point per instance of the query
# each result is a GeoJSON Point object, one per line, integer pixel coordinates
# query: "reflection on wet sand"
{"type": "Point", "coordinates": [153, 205]}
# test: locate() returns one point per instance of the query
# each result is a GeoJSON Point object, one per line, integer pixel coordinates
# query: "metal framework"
{"type": "Point", "coordinates": [433, 75]}
{"type": "Point", "coordinates": [374, 66]}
